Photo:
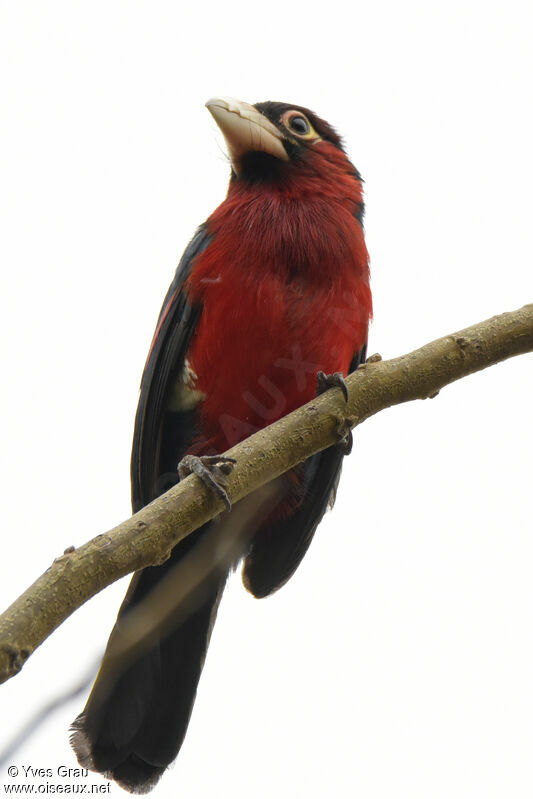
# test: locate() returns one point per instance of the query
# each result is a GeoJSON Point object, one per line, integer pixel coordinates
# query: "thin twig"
{"type": "Point", "coordinates": [38, 719]}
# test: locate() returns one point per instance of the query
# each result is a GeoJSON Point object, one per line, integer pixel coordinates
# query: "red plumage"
{"type": "Point", "coordinates": [272, 290]}
{"type": "Point", "coordinates": [285, 293]}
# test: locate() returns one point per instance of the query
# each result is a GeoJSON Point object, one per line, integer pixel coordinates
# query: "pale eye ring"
{"type": "Point", "coordinates": [299, 125]}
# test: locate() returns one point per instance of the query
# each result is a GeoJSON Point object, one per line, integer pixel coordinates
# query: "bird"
{"type": "Point", "coordinates": [270, 305]}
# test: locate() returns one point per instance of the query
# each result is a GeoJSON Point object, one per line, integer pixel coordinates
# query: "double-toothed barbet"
{"type": "Point", "coordinates": [271, 295]}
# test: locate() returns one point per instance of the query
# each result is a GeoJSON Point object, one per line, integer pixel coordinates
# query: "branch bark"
{"type": "Point", "coordinates": [148, 537]}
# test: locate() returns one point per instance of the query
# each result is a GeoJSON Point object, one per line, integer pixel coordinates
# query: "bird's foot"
{"type": "Point", "coordinates": [324, 381]}
{"type": "Point", "coordinates": [213, 471]}
{"type": "Point", "coordinates": [343, 429]}
{"type": "Point", "coordinates": [343, 424]}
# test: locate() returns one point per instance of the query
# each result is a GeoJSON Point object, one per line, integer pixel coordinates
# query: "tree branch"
{"type": "Point", "coordinates": [148, 537]}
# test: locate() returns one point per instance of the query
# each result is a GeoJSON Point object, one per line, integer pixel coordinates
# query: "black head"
{"type": "Point", "coordinates": [298, 124]}
{"type": "Point", "coordinates": [264, 140]}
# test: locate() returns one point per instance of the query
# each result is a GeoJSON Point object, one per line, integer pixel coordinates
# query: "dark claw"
{"type": "Point", "coordinates": [324, 381]}
{"type": "Point", "coordinates": [344, 431]}
{"type": "Point", "coordinates": [346, 443]}
{"type": "Point", "coordinates": [212, 471]}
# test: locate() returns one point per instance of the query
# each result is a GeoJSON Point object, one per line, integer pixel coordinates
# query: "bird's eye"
{"type": "Point", "coordinates": [300, 125]}
{"type": "Point", "coordinates": [297, 123]}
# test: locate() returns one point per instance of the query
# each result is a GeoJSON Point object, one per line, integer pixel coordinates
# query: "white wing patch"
{"type": "Point", "coordinates": [184, 395]}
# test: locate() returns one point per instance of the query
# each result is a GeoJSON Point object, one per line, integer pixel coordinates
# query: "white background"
{"type": "Point", "coordinates": [399, 660]}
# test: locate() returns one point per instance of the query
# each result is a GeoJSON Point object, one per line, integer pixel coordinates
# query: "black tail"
{"type": "Point", "coordinates": [137, 714]}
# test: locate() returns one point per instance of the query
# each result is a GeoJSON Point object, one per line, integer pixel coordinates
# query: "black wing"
{"type": "Point", "coordinates": [160, 436]}
{"type": "Point", "coordinates": [279, 546]}
{"type": "Point", "coordinates": [137, 714]}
